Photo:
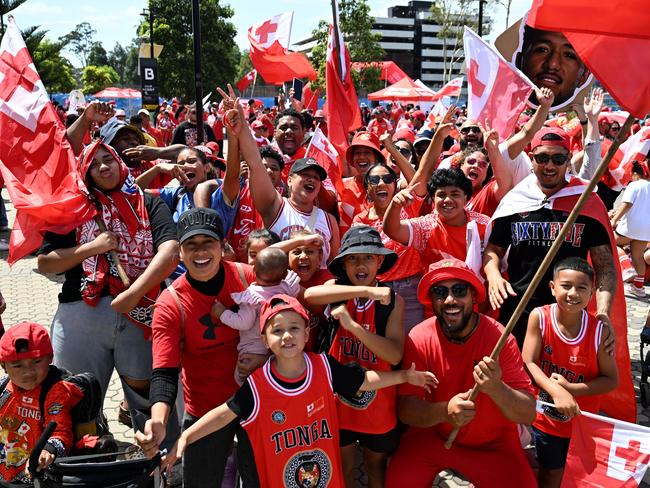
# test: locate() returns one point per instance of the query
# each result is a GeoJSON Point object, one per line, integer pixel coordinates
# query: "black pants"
{"type": "Point", "coordinates": [204, 461]}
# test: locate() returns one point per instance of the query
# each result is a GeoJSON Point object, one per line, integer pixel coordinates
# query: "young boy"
{"type": "Point", "coordinates": [287, 407]}
{"type": "Point", "coordinates": [565, 356]}
{"type": "Point", "coordinates": [26, 354]}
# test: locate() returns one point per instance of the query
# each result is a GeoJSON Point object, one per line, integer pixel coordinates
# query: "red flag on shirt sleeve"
{"type": "Point", "coordinates": [343, 114]}
{"type": "Point", "coordinates": [36, 160]}
{"type": "Point", "coordinates": [606, 452]}
{"type": "Point", "coordinates": [611, 38]}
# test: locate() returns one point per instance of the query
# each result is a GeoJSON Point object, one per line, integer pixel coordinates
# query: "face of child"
{"type": "Point", "coordinates": [449, 202]}
{"type": "Point", "coordinates": [286, 334]}
{"type": "Point", "coordinates": [28, 373]}
{"type": "Point", "coordinates": [255, 246]}
{"type": "Point", "coordinates": [362, 268]}
{"type": "Point", "coordinates": [572, 290]}
{"type": "Point", "coordinates": [305, 261]}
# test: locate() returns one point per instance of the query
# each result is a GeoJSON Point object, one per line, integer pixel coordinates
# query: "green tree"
{"type": "Point", "coordinates": [173, 29]}
{"type": "Point", "coordinates": [355, 23]}
{"type": "Point", "coordinates": [96, 78]}
{"type": "Point", "coordinates": [124, 60]}
{"type": "Point", "coordinates": [7, 6]}
{"type": "Point", "coordinates": [54, 69]}
{"type": "Point", "coordinates": [80, 41]}
{"type": "Point", "coordinates": [97, 55]}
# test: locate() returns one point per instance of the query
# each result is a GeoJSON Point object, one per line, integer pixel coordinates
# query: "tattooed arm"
{"type": "Point", "coordinates": [601, 258]}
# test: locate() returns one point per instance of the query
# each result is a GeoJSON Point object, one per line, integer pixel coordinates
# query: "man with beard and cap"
{"type": "Point", "coordinates": [455, 344]}
{"type": "Point", "coordinates": [186, 133]}
{"type": "Point", "coordinates": [289, 137]}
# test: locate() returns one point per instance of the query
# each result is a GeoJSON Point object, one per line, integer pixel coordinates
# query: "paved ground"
{"type": "Point", "coordinates": [33, 296]}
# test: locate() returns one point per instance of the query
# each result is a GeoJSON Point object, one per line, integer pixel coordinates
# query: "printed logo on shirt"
{"type": "Point", "coordinates": [28, 413]}
{"type": "Point", "coordinates": [28, 400]}
{"type": "Point", "coordinates": [311, 469]}
{"type": "Point", "coordinates": [210, 333]}
{"type": "Point", "coordinates": [278, 416]}
{"type": "Point", "coordinates": [361, 400]}
{"type": "Point", "coordinates": [544, 233]}
{"type": "Point", "coordinates": [314, 407]}
{"type": "Point", "coordinates": [548, 349]}
{"type": "Point", "coordinates": [55, 409]}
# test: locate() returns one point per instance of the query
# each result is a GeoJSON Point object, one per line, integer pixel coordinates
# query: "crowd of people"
{"type": "Point", "coordinates": [237, 294]}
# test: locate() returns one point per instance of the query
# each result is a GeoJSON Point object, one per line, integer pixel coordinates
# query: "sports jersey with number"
{"type": "Point", "coordinates": [294, 432]}
{"type": "Point", "coordinates": [576, 359]}
{"type": "Point", "coordinates": [371, 412]}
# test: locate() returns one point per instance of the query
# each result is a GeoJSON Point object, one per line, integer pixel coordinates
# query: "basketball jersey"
{"type": "Point", "coordinates": [290, 219]}
{"type": "Point", "coordinates": [576, 359]}
{"type": "Point", "coordinates": [370, 412]}
{"type": "Point", "coordinates": [294, 432]}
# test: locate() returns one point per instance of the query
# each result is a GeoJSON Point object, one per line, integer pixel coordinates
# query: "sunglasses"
{"type": "Point", "coordinates": [404, 151]}
{"type": "Point", "coordinates": [467, 130]}
{"type": "Point", "coordinates": [375, 179]}
{"type": "Point", "coordinates": [458, 290]}
{"type": "Point", "coordinates": [556, 159]}
{"type": "Point", "coordinates": [482, 163]}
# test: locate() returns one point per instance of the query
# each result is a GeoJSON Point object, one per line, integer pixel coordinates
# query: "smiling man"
{"type": "Point", "coordinates": [550, 61]}
{"type": "Point", "coordinates": [289, 136]}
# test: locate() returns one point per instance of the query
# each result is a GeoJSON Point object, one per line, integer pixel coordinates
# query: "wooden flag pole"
{"type": "Point", "coordinates": [548, 258]}
{"type": "Point", "coordinates": [113, 253]}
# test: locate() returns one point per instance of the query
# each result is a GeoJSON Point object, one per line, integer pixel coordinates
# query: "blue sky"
{"type": "Point", "coordinates": [118, 23]}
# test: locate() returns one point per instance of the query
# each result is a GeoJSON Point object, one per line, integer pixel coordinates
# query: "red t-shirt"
{"type": "Point", "coordinates": [485, 200]}
{"type": "Point", "coordinates": [435, 240]}
{"type": "Point", "coordinates": [208, 353]}
{"type": "Point", "coordinates": [408, 262]}
{"type": "Point", "coordinates": [289, 160]}
{"type": "Point", "coordinates": [379, 127]}
{"type": "Point", "coordinates": [430, 350]}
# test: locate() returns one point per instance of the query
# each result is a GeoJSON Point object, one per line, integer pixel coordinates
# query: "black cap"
{"type": "Point", "coordinates": [199, 221]}
{"type": "Point", "coordinates": [307, 163]}
{"type": "Point", "coordinates": [362, 239]}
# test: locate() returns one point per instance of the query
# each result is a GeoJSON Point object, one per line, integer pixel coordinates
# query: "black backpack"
{"type": "Point", "coordinates": [86, 414]}
{"type": "Point", "coordinates": [326, 334]}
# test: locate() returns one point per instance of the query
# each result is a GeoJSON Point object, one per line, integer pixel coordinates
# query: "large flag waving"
{"type": "Point", "coordinates": [611, 38]}
{"type": "Point", "coordinates": [635, 148]}
{"type": "Point", "coordinates": [451, 89]}
{"type": "Point", "coordinates": [36, 160]}
{"type": "Point", "coordinates": [606, 452]}
{"type": "Point", "coordinates": [343, 114]}
{"type": "Point", "coordinates": [497, 91]}
{"type": "Point", "coordinates": [269, 52]}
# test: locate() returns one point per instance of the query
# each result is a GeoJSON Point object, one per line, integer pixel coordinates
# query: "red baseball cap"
{"type": "Point", "coordinates": [449, 269]}
{"type": "Point", "coordinates": [38, 342]}
{"type": "Point", "coordinates": [562, 138]}
{"type": "Point", "coordinates": [418, 114]}
{"type": "Point", "coordinates": [257, 124]}
{"type": "Point", "coordinates": [406, 134]}
{"type": "Point", "coordinates": [277, 304]}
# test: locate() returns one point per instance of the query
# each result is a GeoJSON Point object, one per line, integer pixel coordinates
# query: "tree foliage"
{"type": "Point", "coordinates": [124, 60]}
{"type": "Point", "coordinates": [55, 71]}
{"type": "Point", "coordinates": [173, 29]}
{"type": "Point", "coordinates": [96, 78]}
{"type": "Point", "coordinates": [7, 6]}
{"type": "Point", "coordinates": [355, 23]}
{"type": "Point", "coordinates": [97, 55]}
{"type": "Point", "coordinates": [80, 41]}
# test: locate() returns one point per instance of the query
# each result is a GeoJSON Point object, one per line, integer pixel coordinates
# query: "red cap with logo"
{"type": "Point", "coordinates": [559, 138]}
{"type": "Point", "coordinates": [37, 341]}
{"type": "Point", "coordinates": [277, 304]}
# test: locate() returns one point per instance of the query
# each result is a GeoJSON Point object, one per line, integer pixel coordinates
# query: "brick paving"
{"type": "Point", "coordinates": [33, 296]}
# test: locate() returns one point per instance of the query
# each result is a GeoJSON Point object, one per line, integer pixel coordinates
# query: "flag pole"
{"type": "Point", "coordinates": [335, 39]}
{"type": "Point", "coordinates": [254, 80]}
{"type": "Point", "coordinates": [559, 240]}
{"type": "Point", "coordinates": [198, 77]}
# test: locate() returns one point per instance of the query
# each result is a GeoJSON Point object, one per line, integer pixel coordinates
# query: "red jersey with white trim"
{"type": "Point", "coordinates": [379, 127]}
{"type": "Point", "coordinates": [576, 359]}
{"type": "Point", "coordinates": [371, 412]}
{"type": "Point", "coordinates": [294, 432]}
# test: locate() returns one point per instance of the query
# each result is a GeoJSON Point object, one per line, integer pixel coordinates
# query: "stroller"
{"type": "Point", "coordinates": [89, 471]}
{"type": "Point", "coordinates": [644, 386]}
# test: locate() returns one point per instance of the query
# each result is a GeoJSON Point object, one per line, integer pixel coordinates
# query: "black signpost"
{"type": "Point", "coordinates": [149, 77]}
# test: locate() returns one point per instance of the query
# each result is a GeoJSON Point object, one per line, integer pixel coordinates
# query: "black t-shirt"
{"type": "Point", "coordinates": [162, 229]}
{"type": "Point", "coordinates": [185, 133]}
{"type": "Point", "coordinates": [530, 235]}
{"type": "Point", "coordinates": [346, 381]}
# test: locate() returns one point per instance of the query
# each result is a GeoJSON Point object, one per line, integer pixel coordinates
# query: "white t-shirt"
{"type": "Point", "coordinates": [635, 223]}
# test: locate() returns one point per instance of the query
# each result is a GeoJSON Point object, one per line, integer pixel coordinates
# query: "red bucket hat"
{"type": "Point", "coordinates": [449, 269]}
{"type": "Point", "coordinates": [365, 139]}
{"type": "Point", "coordinates": [277, 304]}
{"type": "Point", "coordinates": [38, 342]}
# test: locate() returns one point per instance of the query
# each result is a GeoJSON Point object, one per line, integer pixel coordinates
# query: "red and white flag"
{"type": "Point", "coordinates": [246, 80]}
{"type": "Point", "coordinates": [323, 151]}
{"type": "Point", "coordinates": [269, 41]}
{"type": "Point", "coordinates": [343, 114]}
{"type": "Point", "coordinates": [635, 148]}
{"type": "Point", "coordinates": [452, 89]}
{"type": "Point", "coordinates": [438, 111]}
{"type": "Point", "coordinates": [606, 452]}
{"type": "Point", "coordinates": [36, 160]}
{"type": "Point", "coordinates": [497, 91]}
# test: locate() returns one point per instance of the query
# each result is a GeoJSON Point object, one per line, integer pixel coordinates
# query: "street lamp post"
{"type": "Point", "coordinates": [198, 78]}
{"type": "Point", "coordinates": [480, 17]}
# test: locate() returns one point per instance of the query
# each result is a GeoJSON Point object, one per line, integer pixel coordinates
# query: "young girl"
{"type": "Point", "coordinates": [371, 334]}
{"type": "Point", "coordinates": [257, 240]}
{"type": "Point", "coordinates": [271, 278]}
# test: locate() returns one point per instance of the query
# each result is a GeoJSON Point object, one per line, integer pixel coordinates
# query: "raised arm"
{"type": "Point", "coordinates": [174, 170]}
{"type": "Point", "coordinates": [408, 171]}
{"type": "Point", "coordinates": [502, 175]}
{"type": "Point", "coordinates": [95, 112]}
{"type": "Point", "coordinates": [326, 294]}
{"type": "Point", "coordinates": [521, 139]}
{"type": "Point", "coordinates": [393, 226]}
{"type": "Point", "coordinates": [150, 153]}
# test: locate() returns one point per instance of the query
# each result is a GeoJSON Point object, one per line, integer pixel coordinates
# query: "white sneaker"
{"type": "Point", "coordinates": [633, 290]}
{"type": "Point", "coordinates": [629, 275]}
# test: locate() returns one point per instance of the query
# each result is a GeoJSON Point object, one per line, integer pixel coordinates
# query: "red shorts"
{"type": "Point", "coordinates": [420, 458]}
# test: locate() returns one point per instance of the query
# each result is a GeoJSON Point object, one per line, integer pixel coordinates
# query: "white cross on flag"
{"type": "Point", "coordinates": [606, 452]}
{"type": "Point", "coordinates": [635, 148]}
{"type": "Point", "coordinates": [497, 91]}
{"type": "Point", "coordinates": [277, 28]}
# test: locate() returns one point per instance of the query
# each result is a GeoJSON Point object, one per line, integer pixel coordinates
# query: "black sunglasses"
{"type": "Point", "coordinates": [375, 179]}
{"type": "Point", "coordinates": [556, 159]}
{"type": "Point", "coordinates": [467, 130]}
{"type": "Point", "coordinates": [458, 290]}
{"type": "Point", "coordinates": [405, 151]}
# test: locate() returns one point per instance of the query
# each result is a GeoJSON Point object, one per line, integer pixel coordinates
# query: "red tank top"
{"type": "Point", "coordinates": [576, 359]}
{"type": "Point", "coordinates": [294, 433]}
{"type": "Point", "coordinates": [370, 412]}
